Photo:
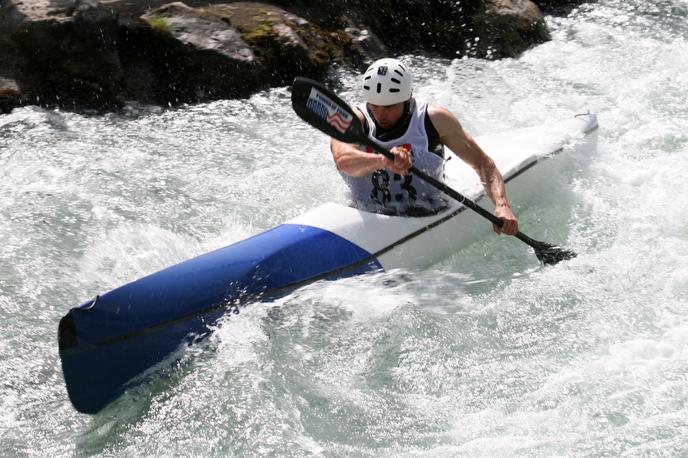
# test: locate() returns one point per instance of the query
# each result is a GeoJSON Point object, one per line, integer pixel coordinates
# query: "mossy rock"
{"type": "Point", "coordinates": [159, 21]}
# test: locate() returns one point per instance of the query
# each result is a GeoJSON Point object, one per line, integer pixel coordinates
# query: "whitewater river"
{"type": "Point", "coordinates": [485, 354]}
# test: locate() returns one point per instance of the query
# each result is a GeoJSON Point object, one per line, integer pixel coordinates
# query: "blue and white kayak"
{"type": "Point", "coordinates": [108, 341]}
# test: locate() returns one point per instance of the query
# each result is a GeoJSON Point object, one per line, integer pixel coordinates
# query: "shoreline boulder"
{"type": "Point", "coordinates": [90, 54]}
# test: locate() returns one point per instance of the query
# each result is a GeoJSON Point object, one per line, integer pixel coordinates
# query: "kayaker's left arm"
{"type": "Point", "coordinates": [464, 146]}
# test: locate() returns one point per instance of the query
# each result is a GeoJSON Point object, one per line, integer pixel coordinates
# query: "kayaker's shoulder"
{"type": "Point", "coordinates": [442, 118]}
{"type": "Point", "coordinates": [439, 111]}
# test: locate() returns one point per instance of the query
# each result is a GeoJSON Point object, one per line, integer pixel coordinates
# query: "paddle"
{"type": "Point", "coordinates": [325, 111]}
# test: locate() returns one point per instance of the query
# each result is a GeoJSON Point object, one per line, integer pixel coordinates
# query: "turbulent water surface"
{"type": "Point", "coordinates": [485, 354]}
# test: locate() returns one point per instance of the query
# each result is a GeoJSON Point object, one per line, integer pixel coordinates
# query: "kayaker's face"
{"type": "Point", "coordinates": [387, 115]}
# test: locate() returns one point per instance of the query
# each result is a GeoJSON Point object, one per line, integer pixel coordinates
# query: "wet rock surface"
{"type": "Point", "coordinates": [89, 54]}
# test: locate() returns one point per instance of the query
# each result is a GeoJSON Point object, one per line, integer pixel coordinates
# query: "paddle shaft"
{"type": "Point", "coordinates": [450, 192]}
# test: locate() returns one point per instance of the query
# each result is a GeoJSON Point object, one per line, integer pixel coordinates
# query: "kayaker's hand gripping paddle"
{"type": "Point", "coordinates": [325, 111]}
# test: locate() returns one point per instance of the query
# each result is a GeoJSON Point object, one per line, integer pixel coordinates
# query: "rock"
{"type": "Point", "coordinates": [189, 55]}
{"type": "Point", "coordinates": [70, 57]}
{"type": "Point", "coordinates": [10, 97]}
{"type": "Point", "coordinates": [225, 50]}
{"type": "Point", "coordinates": [449, 28]}
{"type": "Point", "coordinates": [558, 7]}
{"type": "Point", "coordinates": [99, 54]}
{"type": "Point", "coordinates": [506, 28]}
{"type": "Point", "coordinates": [436, 27]}
{"type": "Point", "coordinates": [10, 20]}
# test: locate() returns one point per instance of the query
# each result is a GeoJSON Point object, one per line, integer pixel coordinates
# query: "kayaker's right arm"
{"type": "Point", "coordinates": [352, 161]}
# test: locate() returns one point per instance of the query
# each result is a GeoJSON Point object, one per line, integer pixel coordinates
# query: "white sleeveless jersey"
{"type": "Point", "coordinates": [385, 192]}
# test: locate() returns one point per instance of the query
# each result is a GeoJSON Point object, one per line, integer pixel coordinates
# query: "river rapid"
{"type": "Point", "coordinates": [485, 354]}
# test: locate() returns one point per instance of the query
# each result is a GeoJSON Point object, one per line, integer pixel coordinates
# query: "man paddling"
{"type": "Point", "coordinates": [416, 132]}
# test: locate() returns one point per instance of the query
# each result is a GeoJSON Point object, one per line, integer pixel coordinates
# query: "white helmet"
{"type": "Point", "coordinates": [387, 82]}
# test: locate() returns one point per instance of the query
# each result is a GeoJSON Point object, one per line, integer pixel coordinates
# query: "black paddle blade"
{"type": "Point", "coordinates": [322, 109]}
{"type": "Point", "coordinates": [552, 254]}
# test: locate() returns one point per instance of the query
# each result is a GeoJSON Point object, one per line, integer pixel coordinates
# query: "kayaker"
{"type": "Point", "coordinates": [416, 132]}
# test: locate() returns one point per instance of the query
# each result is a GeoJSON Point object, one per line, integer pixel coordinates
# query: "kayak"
{"type": "Point", "coordinates": [108, 342]}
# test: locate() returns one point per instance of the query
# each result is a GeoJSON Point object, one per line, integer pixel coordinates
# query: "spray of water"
{"type": "Point", "coordinates": [484, 354]}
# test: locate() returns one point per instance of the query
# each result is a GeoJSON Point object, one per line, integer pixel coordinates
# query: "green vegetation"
{"type": "Point", "coordinates": [159, 21]}
{"type": "Point", "coordinates": [261, 30]}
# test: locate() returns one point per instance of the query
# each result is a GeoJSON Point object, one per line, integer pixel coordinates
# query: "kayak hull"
{"type": "Point", "coordinates": [107, 343]}
{"type": "Point", "coordinates": [92, 384]}
{"type": "Point", "coordinates": [131, 328]}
